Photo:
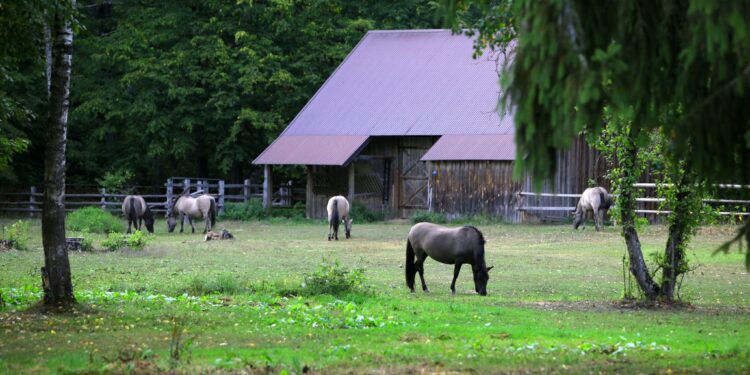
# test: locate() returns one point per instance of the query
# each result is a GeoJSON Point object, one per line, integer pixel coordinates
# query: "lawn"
{"type": "Point", "coordinates": [225, 306]}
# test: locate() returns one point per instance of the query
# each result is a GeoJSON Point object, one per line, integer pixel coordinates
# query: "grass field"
{"type": "Point", "coordinates": [238, 306]}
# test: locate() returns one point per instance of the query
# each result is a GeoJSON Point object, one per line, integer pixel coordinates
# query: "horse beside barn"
{"type": "Point", "coordinates": [595, 200]}
{"type": "Point", "coordinates": [338, 210]}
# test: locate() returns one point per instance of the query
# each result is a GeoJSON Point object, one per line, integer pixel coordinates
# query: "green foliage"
{"type": "Point", "coordinates": [17, 234]}
{"type": "Point", "coordinates": [116, 181]}
{"type": "Point", "coordinates": [137, 240]}
{"type": "Point", "coordinates": [114, 241]}
{"type": "Point", "coordinates": [332, 278]}
{"type": "Point", "coordinates": [428, 217]}
{"type": "Point", "coordinates": [92, 220]}
{"type": "Point", "coordinates": [362, 214]}
{"type": "Point", "coordinates": [253, 210]}
{"type": "Point", "coordinates": [222, 284]}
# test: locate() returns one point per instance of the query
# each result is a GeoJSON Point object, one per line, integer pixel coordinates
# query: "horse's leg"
{"type": "Point", "coordinates": [190, 220]}
{"type": "Point", "coordinates": [130, 222]}
{"type": "Point", "coordinates": [140, 223]}
{"type": "Point", "coordinates": [208, 223]}
{"type": "Point", "coordinates": [182, 222]}
{"type": "Point", "coordinates": [598, 219]}
{"type": "Point", "coordinates": [456, 270]}
{"type": "Point", "coordinates": [420, 268]}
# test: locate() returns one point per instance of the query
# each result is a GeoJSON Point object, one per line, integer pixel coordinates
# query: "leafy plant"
{"type": "Point", "coordinates": [17, 235]}
{"type": "Point", "coordinates": [116, 181]}
{"type": "Point", "coordinates": [137, 240]}
{"type": "Point", "coordinates": [114, 241]}
{"type": "Point", "coordinates": [429, 217]}
{"type": "Point", "coordinates": [331, 278]}
{"type": "Point", "coordinates": [362, 214]}
{"type": "Point", "coordinates": [223, 284]}
{"type": "Point", "coordinates": [92, 220]}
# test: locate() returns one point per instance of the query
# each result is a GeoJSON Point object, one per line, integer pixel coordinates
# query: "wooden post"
{"type": "Point", "coordinates": [267, 187]}
{"type": "Point", "coordinates": [103, 200]}
{"type": "Point", "coordinates": [170, 192]}
{"type": "Point", "coordinates": [186, 185]}
{"type": "Point", "coordinates": [32, 202]}
{"type": "Point", "coordinates": [246, 190]}
{"type": "Point", "coordinates": [309, 200]}
{"type": "Point", "coordinates": [350, 196]}
{"type": "Point", "coordinates": [221, 196]}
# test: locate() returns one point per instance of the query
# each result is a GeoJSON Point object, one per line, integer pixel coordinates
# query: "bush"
{"type": "Point", "coordinates": [114, 241]}
{"type": "Point", "coordinates": [92, 219]}
{"type": "Point", "coordinates": [332, 278]}
{"type": "Point", "coordinates": [428, 217]}
{"type": "Point", "coordinates": [253, 210]}
{"type": "Point", "coordinates": [137, 240]}
{"type": "Point", "coordinates": [17, 235]}
{"type": "Point", "coordinates": [362, 214]}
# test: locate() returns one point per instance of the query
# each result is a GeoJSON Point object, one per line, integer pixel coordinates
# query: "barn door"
{"type": "Point", "coordinates": [413, 179]}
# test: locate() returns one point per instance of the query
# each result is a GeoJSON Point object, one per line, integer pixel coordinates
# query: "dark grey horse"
{"type": "Point", "coordinates": [135, 209]}
{"type": "Point", "coordinates": [458, 246]}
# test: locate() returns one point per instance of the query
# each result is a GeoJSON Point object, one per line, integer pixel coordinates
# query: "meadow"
{"type": "Point", "coordinates": [246, 306]}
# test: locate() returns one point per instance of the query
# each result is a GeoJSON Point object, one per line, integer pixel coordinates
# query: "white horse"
{"type": "Point", "coordinates": [338, 210]}
{"type": "Point", "coordinates": [203, 207]}
{"type": "Point", "coordinates": [595, 200]}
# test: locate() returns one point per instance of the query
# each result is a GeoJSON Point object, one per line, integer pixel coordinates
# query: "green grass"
{"type": "Point", "coordinates": [550, 307]}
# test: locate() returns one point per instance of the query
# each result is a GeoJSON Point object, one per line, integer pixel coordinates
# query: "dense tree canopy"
{"type": "Point", "coordinates": [195, 87]}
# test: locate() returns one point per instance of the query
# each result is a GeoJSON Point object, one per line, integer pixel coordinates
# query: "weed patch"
{"type": "Point", "coordinates": [93, 220]}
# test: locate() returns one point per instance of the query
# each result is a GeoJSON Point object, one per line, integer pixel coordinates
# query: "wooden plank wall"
{"type": "Point", "coordinates": [464, 188]}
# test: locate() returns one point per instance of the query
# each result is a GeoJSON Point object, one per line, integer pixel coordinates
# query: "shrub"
{"type": "Point", "coordinates": [92, 219]}
{"type": "Point", "coordinates": [429, 217]}
{"type": "Point", "coordinates": [332, 278]}
{"type": "Point", "coordinates": [253, 210]}
{"type": "Point", "coordinates": [17, 235]}
{"type": "Point", "coordinates": [362, 214]}
{"type": "Point", "coordinates": [137, 240]}
{"type": "Point", "coordinates": [114, 241]}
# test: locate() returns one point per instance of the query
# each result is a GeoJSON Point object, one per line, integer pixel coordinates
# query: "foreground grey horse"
{"type": "Point", "coordinates": [457, 246]}
{"type": "Point", "coordinates": [135, 209]}
{"type": "Point", "coordinates": [596, 200]}
{"type": "Point", "coordinates": [203, 207]}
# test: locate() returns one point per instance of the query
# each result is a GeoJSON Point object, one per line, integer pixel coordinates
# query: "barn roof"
{"type": "Point", "coordinates": [473, 147]}
{"type": "Point", "coordinates": [400, 83]}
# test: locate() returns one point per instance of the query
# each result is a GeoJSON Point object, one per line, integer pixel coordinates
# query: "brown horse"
{"type": "Point", "coordinates": [457, 246]}
{"type": "Point", "coordinates": [338, 210]}
{"type": "Point", "coordinates": [135, 209]}
{"type": "Point", "coordinates": [203, 207]}
{"type": "Point", "coordinates": [595, 200]}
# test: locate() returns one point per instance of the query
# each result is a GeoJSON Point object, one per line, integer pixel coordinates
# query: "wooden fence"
{"type": "Point", "coordinates": [568, 198]}
{"type": "Point", "coordinates": [30, 200]}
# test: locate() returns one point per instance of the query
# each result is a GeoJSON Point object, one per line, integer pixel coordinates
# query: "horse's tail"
{"type": "Point", "coordinates": [212, 212]}
{"type": "Point", "coordinates": [132, 213]}
{"type": "Point", "coordinates": [411, 268]}
{"type": "Point", "coordinates": [335, 219]}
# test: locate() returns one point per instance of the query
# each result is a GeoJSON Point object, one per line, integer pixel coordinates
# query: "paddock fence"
{"type": "Point", "coordinates": [30, 200]}
{"type": "Point", "coordinates": [648, 206]}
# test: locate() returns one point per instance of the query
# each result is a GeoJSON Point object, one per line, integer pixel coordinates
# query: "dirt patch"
{"type": "Point", "coordinates": [622, 305]}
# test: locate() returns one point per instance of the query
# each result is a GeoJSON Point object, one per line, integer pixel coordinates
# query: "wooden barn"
{"type": "Point", "coordinates": [409, 121]}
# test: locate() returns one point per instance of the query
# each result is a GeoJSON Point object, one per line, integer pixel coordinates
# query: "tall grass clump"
{"type": "Point", "coordinates": [92, 219]}
{"type": "Point", "coordinates": [17, 235]}
{"type": "Point", "coordinates": [253, 210]}
{"type": "Point", "coordinates": [362, 214]}
{"type": "Point", "coordinates": [428, 217]}
{"type": "Point", "coordinates": [333, 279]}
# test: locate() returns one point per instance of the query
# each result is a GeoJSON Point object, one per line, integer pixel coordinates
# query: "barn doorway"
{"type": "Point", "coordinates": [413, 178]}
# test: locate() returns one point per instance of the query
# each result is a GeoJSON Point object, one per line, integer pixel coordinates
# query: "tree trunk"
{"type": "Point", "coordinates": [674, 253]}
{"type": "Point", "coordinates": [58, 288]}
{"type": "Point", "coordinates": [627, 209]}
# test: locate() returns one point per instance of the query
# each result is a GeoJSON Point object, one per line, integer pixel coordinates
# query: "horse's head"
{"type": "Point", "coordinates": [348, 227]}
{"type": "Point", "coordinates": [481, 277]}
{"type": "Point", "coordinates": [171, 214]}
{"type": "Point", "coordinates": [578, 219]}
{"type": "Point", "coordinates": [171, 222]}
{"type": "Point", "coordinates": [148, 219]}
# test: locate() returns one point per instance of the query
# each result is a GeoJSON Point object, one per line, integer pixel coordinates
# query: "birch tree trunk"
{"type": "Point", "coordinates": [56, 278]}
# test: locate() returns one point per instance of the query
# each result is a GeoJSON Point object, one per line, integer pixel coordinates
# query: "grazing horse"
{"type": "Point", "coordinates": [135, 209]}
{"type": "Point", "coordinates": [457, 246]}
{"type": "Point", "coordinates": [338, 210]}
{"type": "Point", "coordinates": [596, 200]}
{"type": "Point", "coordinates": [203, 207]}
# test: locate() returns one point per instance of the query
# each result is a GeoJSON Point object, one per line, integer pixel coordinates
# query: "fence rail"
{"type": "Point", "coordinates": [640, 200]}
{"type": "Point", "coordinates": [31, 200]}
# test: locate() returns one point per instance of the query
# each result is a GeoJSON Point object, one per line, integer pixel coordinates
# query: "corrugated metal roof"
{"type": "Point", "coordinates": [473, 147]}
{"type": "Point", "coordinates": [403, 83]}
{"type": "Point", "coordinates": [312, 150]}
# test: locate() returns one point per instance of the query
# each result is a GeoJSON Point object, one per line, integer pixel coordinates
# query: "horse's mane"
{"type": "Point", "coordinates": [481, 237]}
